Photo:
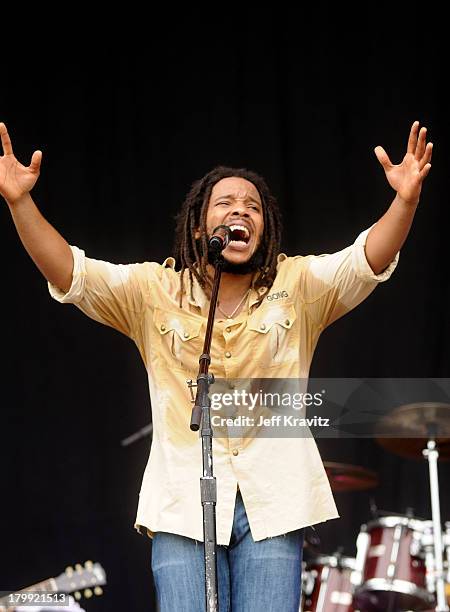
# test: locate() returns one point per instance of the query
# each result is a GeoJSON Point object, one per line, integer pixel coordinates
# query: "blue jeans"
{"type": "Point", "coordinates": [253, 576]}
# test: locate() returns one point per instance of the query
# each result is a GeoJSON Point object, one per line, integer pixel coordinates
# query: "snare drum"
{"type": "Point", "coordinates": [326, 584]}
{"type": "Point", "coordinates": [391, 571]}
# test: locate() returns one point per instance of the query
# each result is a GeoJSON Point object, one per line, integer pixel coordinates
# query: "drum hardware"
{"type": "Point", "coordinates": [393, 569]}
{"type": "Point", "coordinates": [311, 540]}
{"type": "Point", "coordinates": [397, 561]}
{"type": "Point", "coordinates": [390, 572]}
{"type": "Point", "coordinates": [447, 551]}
{"type": "Point", "coordinates": [410, 424]}
{"type": "Point", "coordinates": [326, 585]}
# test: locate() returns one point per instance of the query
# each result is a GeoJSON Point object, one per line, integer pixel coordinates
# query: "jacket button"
{"type": "Point", "coordinates": [186, 334]}
{"type": "Point", "coordinates": [228, 354]}
{"type": "Point", "coordinates": [163, 328]}
{"type": "Point", "coordinates": [228, 329]}
{"type": "Point", "coordinates": [287, 322]}
{"type": "Point", "coordinates": [235, 452]}
{"type": "Point", "coordinates": [263, 327]}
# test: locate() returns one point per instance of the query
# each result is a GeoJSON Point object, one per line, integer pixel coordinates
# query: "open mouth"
{"type": "Point", "coordinates": [239, 234]}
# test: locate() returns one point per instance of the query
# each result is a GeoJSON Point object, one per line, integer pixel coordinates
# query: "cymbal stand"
{"type": "Point", "coordinates": [431, 453]}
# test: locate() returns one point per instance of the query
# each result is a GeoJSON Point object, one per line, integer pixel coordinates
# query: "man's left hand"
{"type": "Point", "coordinates": [407, 177]}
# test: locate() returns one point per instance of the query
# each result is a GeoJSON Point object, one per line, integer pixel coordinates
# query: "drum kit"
{"type": "Point", "coordinates": [402, 563]}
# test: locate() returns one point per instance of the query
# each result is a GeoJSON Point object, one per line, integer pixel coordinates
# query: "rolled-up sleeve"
{"type": "Point", "coordinates": [76, 291]}
{"type": "Point", "coordinates": [333, 284]}
{"type": "Point", "coordinates": [112, 294]}
{"type": "Point", "coordinates": [361, 265]}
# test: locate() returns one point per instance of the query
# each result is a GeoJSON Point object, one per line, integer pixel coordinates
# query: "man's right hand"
{"type": "Point", "coordinates": [16, 180]}
{"type": "Point", "coordinates": [45, 245]}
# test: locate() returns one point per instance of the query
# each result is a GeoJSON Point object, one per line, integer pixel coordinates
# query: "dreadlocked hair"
{"type": "Point", "coordinates": [192, 252]}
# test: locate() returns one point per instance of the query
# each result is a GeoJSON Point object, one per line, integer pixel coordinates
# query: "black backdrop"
{"type": "Point", "coordinates": [125, 127]}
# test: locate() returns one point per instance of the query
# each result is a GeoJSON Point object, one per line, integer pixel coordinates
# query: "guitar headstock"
{"type": "Point", "coordinates": [82, 580]}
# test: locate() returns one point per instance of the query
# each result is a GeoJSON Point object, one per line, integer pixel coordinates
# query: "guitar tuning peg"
{"type": "Point", "coordinates": [77, 595]}
{"type": "Point", "coordinates": [87, 593]}
{"type": "Point", "coordinates": [69, 570]}
{"type": "Point", "coordinates": [89, 565]}
{"type": "Point", "coordinates": [79, 567]}
{"type": "Point", "coordinates": [98, 590]}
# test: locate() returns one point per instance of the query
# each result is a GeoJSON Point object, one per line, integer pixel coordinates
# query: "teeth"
{"type": "Point", "coordinates": [240, 227]}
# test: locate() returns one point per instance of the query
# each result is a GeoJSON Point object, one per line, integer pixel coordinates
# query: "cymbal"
{"type": "Point", "coordinates": [406, 429]}
{"type": "Point", "coordinates": [411, 448]}
{"type": "Point", "coordinates": [346, 477]}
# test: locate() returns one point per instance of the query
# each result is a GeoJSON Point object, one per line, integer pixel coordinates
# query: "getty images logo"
{"type": "Point", "coordinates": [279, 295]}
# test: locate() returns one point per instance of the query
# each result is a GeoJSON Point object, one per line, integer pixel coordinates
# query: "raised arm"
{"type": "Point", "coordinates": [47, 248]}
{"type": "Point", "coordinates": [388, 235]}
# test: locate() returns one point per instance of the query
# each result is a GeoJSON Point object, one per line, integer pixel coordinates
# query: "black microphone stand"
{"type": "Point", "coordinates": [201, 414]}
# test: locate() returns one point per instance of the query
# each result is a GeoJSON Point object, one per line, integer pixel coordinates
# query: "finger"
{"type": "Point", "coordinates": [424, 172]}
{"type": "Point", "coordinates": [421, 143]}
{"type": "Point", "coordinates": [6, 141]}
{"type": "Point", "coordinates": [426, 156]}
{"type": "Point", "coordinates": [412, 140]}
{"type": "Point", "coordinates": [35, 161]}
{"type": "Point", "coordinates": [382, 157]}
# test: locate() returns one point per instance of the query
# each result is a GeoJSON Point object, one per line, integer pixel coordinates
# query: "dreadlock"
{"type": "Point", "coordinates": [192, 253]}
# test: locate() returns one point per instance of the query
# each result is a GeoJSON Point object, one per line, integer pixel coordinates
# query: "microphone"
{"type": "Point", "coordinates": [220, 239]}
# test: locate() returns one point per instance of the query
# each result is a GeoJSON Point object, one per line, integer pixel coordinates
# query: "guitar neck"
{"type": "Point", "coordinates": [45, 585]}
{"type": "Point", "coordinates": [72, 580]}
